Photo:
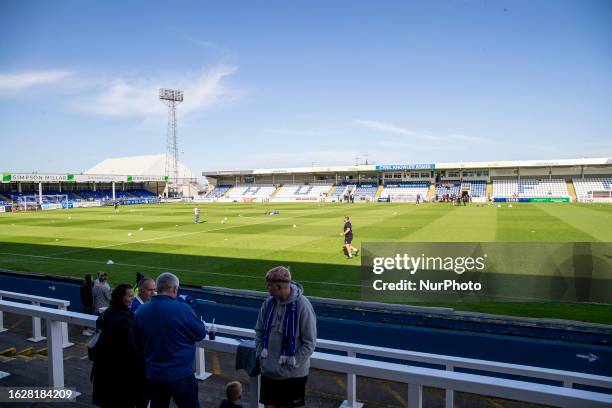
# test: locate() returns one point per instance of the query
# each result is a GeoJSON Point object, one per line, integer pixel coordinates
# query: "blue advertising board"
{"type": "Point", "coordinates": [511, 200]}
{"type": "Point", "coordinates": [407, 167]}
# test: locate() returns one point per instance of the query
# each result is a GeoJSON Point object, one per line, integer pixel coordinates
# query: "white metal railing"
{"type": "Point", "coordinates": [54, 319]}
{"type": "Point", "coordinates": [450, 363]}
{"type": "Point", "coordinates": [37, 301]}
{"type": "Point", "coordinates": [415, 377]}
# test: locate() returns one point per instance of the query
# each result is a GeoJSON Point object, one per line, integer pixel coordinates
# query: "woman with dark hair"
{"type": "Point", "coordinates": [118, 372]}
{"type": "Point", "coordinates": [87, 295]}
{"type": "Point", "coordinates": [87, 299]}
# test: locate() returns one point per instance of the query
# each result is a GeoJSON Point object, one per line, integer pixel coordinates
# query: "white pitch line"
{"type": "Point", "coordinates": [169, 269]}
{"type": "Point", "coordinates": [125, 243]}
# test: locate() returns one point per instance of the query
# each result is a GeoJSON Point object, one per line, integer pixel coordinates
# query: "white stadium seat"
{"type": "Point", "coordinates": [530, 188]}
{"type": "Point", "coordinates": [587, 186]}
{"type": "Point", "coordinates": [302, 192]}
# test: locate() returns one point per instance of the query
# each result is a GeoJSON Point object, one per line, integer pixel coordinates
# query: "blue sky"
{"type": "Point", "coordinates": [275, 84]}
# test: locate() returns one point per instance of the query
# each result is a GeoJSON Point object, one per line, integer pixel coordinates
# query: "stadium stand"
{"type": "Point", "coordinates": [474, 188]}
{"type": "Point", "coordinates": [251, 192]}
{"type": "Point", "coordinates": [142, 193]}
{"type": "Point", "coordinates": [218, 191]}
{"type": "Point", "coordinates": [12, 196]}
{"type": "Point", "coordinates": [529, 188]}
{"type": "Point", "coordinates": [589, 187]}
{"type": "Point", "coordinates": [91, 195]}
{"type": "Point", "coordinates": [302, 192]}
{"type": "Point", "coordinates": [366, 190]}
{"type": "Point", "coordinates": [119, 194]}
{"type": "Point", "coordinates": [33, 196]}
{"type": "Point", "coordinates": [477, 188]}
{"type": "Point", "coordinates": [341, 190]}
{"type": "Point", "coordinates": [405, 191]}
{"type": "Point", "coordinates": [443, 189]}
{"type": "Point", "coordinates": [79, 195]}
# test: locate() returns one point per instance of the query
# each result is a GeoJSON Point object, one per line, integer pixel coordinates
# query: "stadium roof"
{"type": "Point", "coordinates": [138, 166]}
{"type": "Point", "coordinates": [418, 166]}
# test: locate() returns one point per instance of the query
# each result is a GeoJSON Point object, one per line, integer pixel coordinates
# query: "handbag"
{"type": "Point", "coordinates": [94, 345]}
{"type": "Point", "coordinates": [246, 358]}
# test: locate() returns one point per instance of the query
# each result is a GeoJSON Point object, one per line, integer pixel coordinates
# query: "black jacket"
{"type": "Point", "coordinates": [118, 372]}
{"type": "Point", "coordinates": [87, 297]}
{"type": "Point", "coordinates": [228, 404]}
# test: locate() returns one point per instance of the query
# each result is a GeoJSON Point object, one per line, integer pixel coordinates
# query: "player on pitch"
{"type": "Point", "coordinates": [348, 238]}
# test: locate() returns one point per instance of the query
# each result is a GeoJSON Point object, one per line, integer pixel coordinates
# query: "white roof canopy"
{"type": "Point", "coordinates": [138, 166]}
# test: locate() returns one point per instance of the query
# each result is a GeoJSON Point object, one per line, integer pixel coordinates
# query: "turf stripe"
{"type": "Point", "coordinates": [163, 268]}
{"type": "Point", "coordinates": [526, 222]}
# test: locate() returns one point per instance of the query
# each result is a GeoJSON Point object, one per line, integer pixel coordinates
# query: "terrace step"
{"type": "Point", "coordinates": [378, 191]}
{"type": "Point", "coordinates": [4, 359]}
{"type": "Point", "coordinates": [228, 191]}
{"type": "Point", "coordinates": [571, 190]}
{"type": "Point", "coordinates": [26, 352]}
{"type": "Point", "coordinates": [331, 192]}
{"type": "Point", "coordinates": [8, 352]}
{"type": "Point", "coordinates": [278, 187]}
{"type": "Point", "coordinates": [431, 192]}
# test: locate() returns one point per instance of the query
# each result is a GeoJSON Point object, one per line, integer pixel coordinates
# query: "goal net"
{"type": "Point", "coordinates": [33, 202]}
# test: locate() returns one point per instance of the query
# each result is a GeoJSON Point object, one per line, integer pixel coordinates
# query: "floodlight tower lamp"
{"type": "Point", "coordinates": [171, 97]}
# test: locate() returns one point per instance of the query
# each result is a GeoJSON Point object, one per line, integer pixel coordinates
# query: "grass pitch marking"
{"type": "Point", "coordinates": [184, 234]}
{"type": "Point", "coordinates": [168, 269]}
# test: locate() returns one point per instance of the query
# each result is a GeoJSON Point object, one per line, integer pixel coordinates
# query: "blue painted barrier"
{"type": "Point", "coordinates": [424, 334]}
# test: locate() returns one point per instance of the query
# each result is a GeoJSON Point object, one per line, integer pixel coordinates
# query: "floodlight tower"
{"type": "Point", "coordinates": [171, 97]}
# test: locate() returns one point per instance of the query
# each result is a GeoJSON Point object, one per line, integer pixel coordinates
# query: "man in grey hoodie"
{"type": "Point", "coordinates": [285, 337]}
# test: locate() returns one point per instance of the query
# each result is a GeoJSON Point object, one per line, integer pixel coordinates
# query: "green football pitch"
{"type": "Point", "coordinates": [236, 243]}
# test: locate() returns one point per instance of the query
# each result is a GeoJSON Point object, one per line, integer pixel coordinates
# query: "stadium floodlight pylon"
{"type": "Point", "coordinates": [171, 97]}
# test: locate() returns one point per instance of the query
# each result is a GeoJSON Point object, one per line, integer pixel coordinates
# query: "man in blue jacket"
{"type": "Point", "coordinates": [167, 331]}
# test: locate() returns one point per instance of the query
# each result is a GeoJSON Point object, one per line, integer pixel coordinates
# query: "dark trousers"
{"type": "Point", "coordinates": [144, 401]}
{"type": "Point", "coordinates": [184, 392]}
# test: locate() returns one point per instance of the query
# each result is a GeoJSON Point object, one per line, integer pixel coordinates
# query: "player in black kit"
{"type": "Point", "coordinates": [348, 237]}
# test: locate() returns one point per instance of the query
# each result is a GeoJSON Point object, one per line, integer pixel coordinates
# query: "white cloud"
{"type": "Point", "coordinates": [410, 146]}
{"type": "Point", "coordinates": [300, 132]}
{"type": "Point", "coordinates": [383, 127]}
{"type": "Point", "coordinates": [208, 89]}
{"type": "Point", "coordinates": [24, 80]}
{"type": "Point", "coordinates": [386, 127]}
{"type": "Point", "coordinates": [288, 158]}
{"type": "Point", "coordinates": [139, 98]}
{"type": "Point", "coordinates": [202, 43]}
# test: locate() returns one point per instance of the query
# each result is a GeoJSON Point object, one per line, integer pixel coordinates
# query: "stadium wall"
{"type": "Point", "coordinates": [431, 330]}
